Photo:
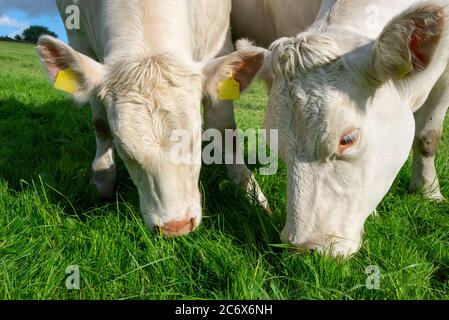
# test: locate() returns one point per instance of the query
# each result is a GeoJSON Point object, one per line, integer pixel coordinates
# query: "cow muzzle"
{"type": "Point", "coordinates": [177, 228]}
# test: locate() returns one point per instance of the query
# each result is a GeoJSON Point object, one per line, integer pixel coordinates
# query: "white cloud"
{"type": "Point", "coordinates": [7, 21]}
{"type": "Point", "coordinates": [16, 25]}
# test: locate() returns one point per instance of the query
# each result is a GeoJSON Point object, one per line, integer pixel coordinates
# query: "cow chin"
{"type": "Point", "coordinates": [335, 233]}
{"type": "Point", "coordinates": [343, 246]}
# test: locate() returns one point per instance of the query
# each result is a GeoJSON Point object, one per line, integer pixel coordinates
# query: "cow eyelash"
{"type": "Point", "coordinates": [348, 140]}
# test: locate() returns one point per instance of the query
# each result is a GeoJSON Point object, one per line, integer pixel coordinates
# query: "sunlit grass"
{"type": "Point", "coordinates": [50, 218]}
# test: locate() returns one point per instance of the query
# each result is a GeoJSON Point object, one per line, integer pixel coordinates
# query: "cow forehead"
{"type": "Point", "coordinates": [314, 99]}
{"type": "Point", "coordinates": [150, 76]}
{"type": "Point", "coordinates": [318, 105]}
{"type": "Point", "coordinates": [152, 89]}
{"type": "Point", "coordinates": [143, 119]}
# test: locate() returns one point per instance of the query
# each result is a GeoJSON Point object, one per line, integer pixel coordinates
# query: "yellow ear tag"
{"type": "Point", "coordinates": [405, 70]}
{"type": "Point", "coordinates": [67, 81]}
{"type": "Point", "coordinates": [229, 89]}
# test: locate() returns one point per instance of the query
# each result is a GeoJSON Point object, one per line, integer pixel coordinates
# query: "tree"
{"type": "Point", "coordinates": [18, 37]}
{"type": "Point", "coordinates": [5, 38]}
{"type": "Point", "coordinates": [33, 33]}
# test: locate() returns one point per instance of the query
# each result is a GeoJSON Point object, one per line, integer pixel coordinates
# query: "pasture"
{"type": "Point", "coordinates": [50, 218]}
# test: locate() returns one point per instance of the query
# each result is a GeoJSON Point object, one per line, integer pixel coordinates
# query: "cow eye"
{"type": "Point", "coordinates": [348, 140]}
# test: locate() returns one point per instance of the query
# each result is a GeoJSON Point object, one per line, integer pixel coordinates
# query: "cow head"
{"type": "Point", "coordinates": [153, 106]}
{"type": "Point", "coordinates": [345, 120]}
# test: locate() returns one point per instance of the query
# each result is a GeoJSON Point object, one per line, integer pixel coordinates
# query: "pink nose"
{"type": "Point", "coordinates": [178, 228]}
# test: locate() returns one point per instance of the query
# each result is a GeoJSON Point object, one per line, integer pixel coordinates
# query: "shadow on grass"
{"type": "Point", "coordinates": [48, 144]}
{"type": "Point", "coordinates": [232, 212]}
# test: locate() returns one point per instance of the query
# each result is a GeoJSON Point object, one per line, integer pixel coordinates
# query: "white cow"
{"type": "Point", "coordinates": [145, 66]}
{"type": "Point", "coordinates": [347, 94]}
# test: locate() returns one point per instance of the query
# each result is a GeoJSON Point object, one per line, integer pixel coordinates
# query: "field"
{"type": "Point", "coordinates": [50, 218]}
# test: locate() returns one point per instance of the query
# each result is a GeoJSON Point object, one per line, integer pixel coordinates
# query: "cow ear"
{"type": "Point", "coordinates": [243, 64]}
{"type": "Point", "coordinates": [409, 43]}
{"type": "Point", "coordinates": [56, 56]}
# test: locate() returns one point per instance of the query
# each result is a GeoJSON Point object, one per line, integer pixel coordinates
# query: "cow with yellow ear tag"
{"type": "Point", "coordinates": [159, 60]}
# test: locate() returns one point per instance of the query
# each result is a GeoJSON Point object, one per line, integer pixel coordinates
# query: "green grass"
{"type": "Point", "coordinates": [50, 218]}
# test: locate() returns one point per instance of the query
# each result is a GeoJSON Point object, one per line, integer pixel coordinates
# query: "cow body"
{"type": "Point", "coordinates": [344, 91]}
{"type": "Point", "coordinates": [266, 21]}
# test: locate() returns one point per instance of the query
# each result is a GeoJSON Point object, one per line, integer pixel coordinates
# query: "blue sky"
{"type": "Point", "coordinates": [16, 15]}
